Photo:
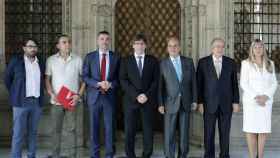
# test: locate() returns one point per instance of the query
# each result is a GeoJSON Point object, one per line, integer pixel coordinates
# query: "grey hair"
{"type": "Point", "coordinates": [216, 39]}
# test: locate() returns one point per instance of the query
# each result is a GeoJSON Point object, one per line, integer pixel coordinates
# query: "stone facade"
{"type": "Point", "coordinates": [201, 21]}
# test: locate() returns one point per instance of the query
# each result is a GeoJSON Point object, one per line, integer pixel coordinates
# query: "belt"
{"type": "Point", "coordinates": [32, 97]}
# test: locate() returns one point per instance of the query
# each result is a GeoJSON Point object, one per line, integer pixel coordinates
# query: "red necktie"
{"type": "Point", "coordinates": [103, 67]}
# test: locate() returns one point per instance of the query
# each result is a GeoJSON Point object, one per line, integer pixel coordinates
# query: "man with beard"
{"type": "Point", "coordinates": [24, 81]}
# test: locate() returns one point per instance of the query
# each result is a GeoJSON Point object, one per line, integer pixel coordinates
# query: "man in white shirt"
{"type": "Point", "coordinates": [64, 69]}
{"type": "Point", "coordinates": [24, 81]}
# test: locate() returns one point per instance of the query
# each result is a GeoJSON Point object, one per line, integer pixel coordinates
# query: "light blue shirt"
{"type": "Point", "coordinates": [178, 67]}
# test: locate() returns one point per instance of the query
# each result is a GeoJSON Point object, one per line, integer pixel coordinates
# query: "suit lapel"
{"type": "Point", "coordinates": [224, 64]}
{"type": "Point", "coordinates": [97, 65]}
{"type": "Point", "coordinates": [184, 67]}
{"type": "Point", "coordinates": [146, 62]}
{"type": "Point", "coordinates": [23, 65]}
{"type": "Point", "coordinates": [172, 69]}
{"type": "Point", "coordinates": [42, 67]}
{"type": "Point", "coordinates": [110, 65]}
{"type": "Point", "coordinates": [135, 67]}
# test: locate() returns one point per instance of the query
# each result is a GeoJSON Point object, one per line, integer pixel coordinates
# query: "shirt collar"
{"type": "Point", "coordinates": [175, 58]}
{"type": "Point", "coordinates": [217, 59]}
{"type": "Point", "coordinates": [27, 60]}
{"type": "Point", "coordinates": [69, 57]}
{"type": "Point", "coordinates": [100, 52]}
{"type": "Point", "coordinates": [142, 55]}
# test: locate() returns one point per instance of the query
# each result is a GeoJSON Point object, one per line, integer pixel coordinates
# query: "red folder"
{"type": "Point", "coordinates": [64, 97]}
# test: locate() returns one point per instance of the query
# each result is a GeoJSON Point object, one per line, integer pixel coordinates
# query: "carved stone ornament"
{"type": "Point", "coordinates": [104, 10]}
{"type": "Point", "coordinates": [202, 10]}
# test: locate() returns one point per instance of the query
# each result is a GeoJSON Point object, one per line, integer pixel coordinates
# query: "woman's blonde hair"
{"type": "Point", "coordinates": [266, 61]}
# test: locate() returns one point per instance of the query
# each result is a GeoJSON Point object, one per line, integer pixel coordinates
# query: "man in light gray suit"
{"type": "Point", "coordinates": [177, 96]}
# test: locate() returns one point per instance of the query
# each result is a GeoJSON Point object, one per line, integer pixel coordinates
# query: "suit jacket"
{"type": "Point", "coordinates": [253, 82]}
{"type": "Point", "coordinates": [133, 84]}
{"type": "Point", "coordinates": [92, 75]}
{"type": "Point", "coordinates": [171, 91]}
{"type": "Point", "coordinates": [213, 91]}
{"type": "Point", "coordinates": [15, 80]}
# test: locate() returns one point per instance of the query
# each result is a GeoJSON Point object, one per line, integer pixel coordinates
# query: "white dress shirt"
{"type": "Point", "coordinates": [142, 59]}
{"type": "Point", "coordinates": [33, 75]}
{"type": "Point", "coordinates": [218, 64]}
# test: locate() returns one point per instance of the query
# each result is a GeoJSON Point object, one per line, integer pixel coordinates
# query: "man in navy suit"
{"type": "Point", "coordinates": [218, 97]}
{"type": "Point", "coordinates": [24, 80]}
{"type": "Point", "coordinates": [100, 73]}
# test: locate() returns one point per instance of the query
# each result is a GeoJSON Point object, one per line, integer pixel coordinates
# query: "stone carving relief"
{"type": "Point", "coordinates": [104, 10]}
{"type": "Point", "coordinates": [202, 10]}
{"type": "Point", "coordinates": [101, 10]}
{"type": "Point", "coordinates": [194, 10]}
{"type": "Point", "coordinates": [67, 14]}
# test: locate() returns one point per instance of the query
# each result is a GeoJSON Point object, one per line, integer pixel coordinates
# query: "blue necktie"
{"type": "Point", "coordinates": [178, 68]}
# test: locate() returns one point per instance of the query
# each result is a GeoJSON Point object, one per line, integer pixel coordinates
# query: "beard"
{"type": "Point", "coordinates": [31, 54]}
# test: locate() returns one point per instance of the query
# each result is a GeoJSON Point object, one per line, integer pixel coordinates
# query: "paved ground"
{"type": "Point", "coordinates": [194, 153]}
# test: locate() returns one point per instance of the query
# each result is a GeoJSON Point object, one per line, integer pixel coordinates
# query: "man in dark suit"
{"type": "Point", "coordinates": [100, 73]}
{"type": "Point", "coordinates": [24, 79]}
{"type": "Point", "coordinates": [218, 97]}
{"type": "Point", "coordinates": [139, 74]}
{"type": "Point", "coordinates": [177, 93]}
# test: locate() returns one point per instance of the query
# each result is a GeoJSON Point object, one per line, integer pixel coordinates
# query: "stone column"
{"type": "Point", "coordinates": [195, 30]}
{"type": "Point", "coordinates": [229, 23]}
{"type": "Point", "coordinates": [101, 18]}
{"type": "Point", "coordinates": [75, 23]}
{"type": "Point", "coordinates": [202, 24]}
{"type": "Point", "coordinates": [214, 21]}
{"type": "Point", "coordinates": [186, 28]}
{"type": "Point", "coordinates": [5, 110]}
{"type": "Point", "coordinates": [2, 33]}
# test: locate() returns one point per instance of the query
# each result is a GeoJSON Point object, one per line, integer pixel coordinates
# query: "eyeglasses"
{"type": "Point", "coordinates": [139, 43]}
{"type": "Point", "coordinates": [31, 46]}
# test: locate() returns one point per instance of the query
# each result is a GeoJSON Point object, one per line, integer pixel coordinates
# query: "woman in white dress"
{"type": "Point", "coordinates": [258, 82]}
